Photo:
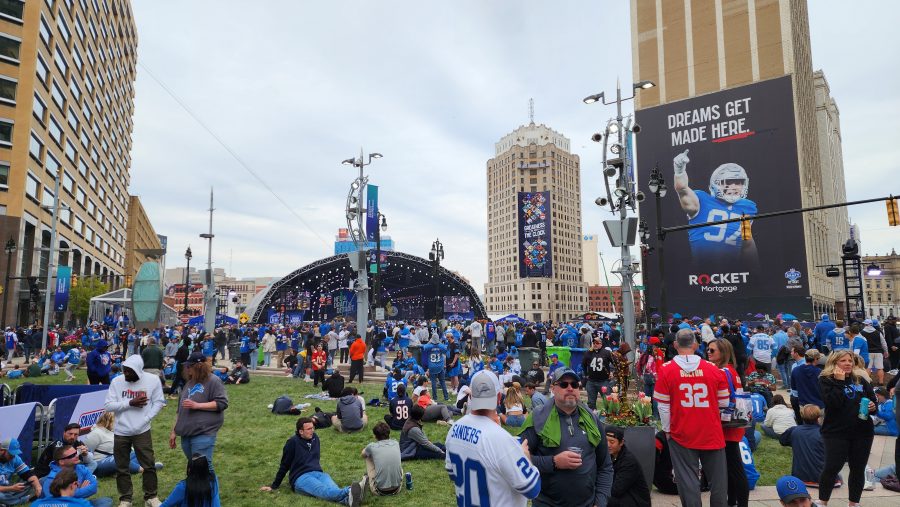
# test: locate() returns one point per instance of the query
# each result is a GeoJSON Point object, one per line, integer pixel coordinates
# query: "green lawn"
{"type": "Point", "coordinates": [249, 448]}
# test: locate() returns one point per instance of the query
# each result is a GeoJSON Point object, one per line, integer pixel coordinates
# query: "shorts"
{"type": "Point", "coordinates": [876, 361]}
{"type": "Point", "coordinates": [515, 420]}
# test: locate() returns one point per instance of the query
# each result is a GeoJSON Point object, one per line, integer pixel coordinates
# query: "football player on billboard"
{"type": "Point", "coordinates": [729, 186]}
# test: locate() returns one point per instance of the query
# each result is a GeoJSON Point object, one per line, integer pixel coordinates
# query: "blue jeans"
{"type": "Point", "coordinates": [320, 485]}
{"type": "Point", "coordinates": [106, 467]}
{"type": "Point", "coordinates": [882, 429]}
{"type": "Point", "coordinates": [267, 359]}
{"type": "Point", "coordinates": [436, 377]}
{"type": "Point", "coordinates": [199, 444]}
{"type": "Point", "coordinates": [785, 371]}
{"type": "Point", "coordinates": [21, 497]}
{"type": "Point", "coordinates": [254, 360]}
{"type": "Point", "coordinates": [594, 388]}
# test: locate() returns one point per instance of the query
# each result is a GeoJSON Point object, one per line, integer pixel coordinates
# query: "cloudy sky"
{"type": "Point", "coordinates": [263, 100]}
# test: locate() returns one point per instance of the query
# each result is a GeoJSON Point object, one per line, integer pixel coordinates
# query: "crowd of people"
{"type": "Point", "coordinates": [468, 376]}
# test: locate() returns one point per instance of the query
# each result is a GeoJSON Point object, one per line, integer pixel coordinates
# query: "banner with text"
{"type": "Point", "coordinates": [535, 254]}
{"type": "Point", "coordinates": [83, 409]}
{"type": "Point", "coordinates": [709, 149]}
{"type": "Point", "coordinates": [63, 284]}
{"type": "Point", "coordinates": [18, 423]}
{"type": "Point", "coordinates": [371, 212]}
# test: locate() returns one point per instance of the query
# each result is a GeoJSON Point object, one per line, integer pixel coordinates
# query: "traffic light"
{"type": "Point", "coordinates": [893, 212]}
{"type": "Point", "coordinates": [746, 233]}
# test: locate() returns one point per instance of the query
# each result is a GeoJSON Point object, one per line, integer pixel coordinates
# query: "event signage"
{"type": "Point", "coordinates": [709, 150]}
{"type": "Point", "coordinates": [63, 284]}
{"type": "Point", "coordinates": [18, 423]}
{"type": "Point", "coordinates": [83, 409]}
{"type": "Point", "coordinates": [535, 254]}
{"type": "Point", "coordinates": [371, 212]}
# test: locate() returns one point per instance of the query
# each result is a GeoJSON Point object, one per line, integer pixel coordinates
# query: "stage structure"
{"type": "Point", "coordinates": [322, 290]}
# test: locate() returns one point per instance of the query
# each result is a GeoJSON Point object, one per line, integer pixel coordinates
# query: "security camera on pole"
{"type": "Point", "coordinates": [621, 232]}
{"type": "Point", "coordinates": [355, 213]}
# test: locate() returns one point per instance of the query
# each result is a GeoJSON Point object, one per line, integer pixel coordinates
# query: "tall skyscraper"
{"type": "Point", "coordinates": [534, 227]}
{"type": "Point", "coordinates": [692, 48]}
{"type": "Point", "coordinates": [67, 71]}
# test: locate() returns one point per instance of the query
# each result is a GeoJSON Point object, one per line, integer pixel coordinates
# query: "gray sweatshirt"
{"type": "Point", "coordinates": [350, 411]}
{"type": "Point", "coordinates": [412, 437]}
{"type": "Point", "coordinates": [201, 422]}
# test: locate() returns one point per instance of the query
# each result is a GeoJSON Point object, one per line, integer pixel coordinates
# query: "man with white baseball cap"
{"type": "Point", "coordinates": [478, 447]}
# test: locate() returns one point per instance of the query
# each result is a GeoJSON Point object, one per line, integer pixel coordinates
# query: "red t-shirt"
{"type": "Point", "coordinates": [693, 399]}
{"type": "Point", "coordinates": [318, 358]}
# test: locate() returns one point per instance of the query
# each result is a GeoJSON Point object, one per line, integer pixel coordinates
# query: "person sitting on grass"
{"type": "Point", "coordinates": [15, 493]}
{"type": "Point", "coordinates": [779, 418]}
{"type": "Point", "coordinates": [384, 472]}
{"type": "Point", "coordinates": [887, 419]}
{"type": "Point", "coordinates": [66, 457]}
{"type": "Point", "coordinates": [239, 375]}
{"type": "Point", "coordinates": [413, 442]}
{"type": "Point", "coordinates": [300, 461]}
{"type": "Point", "coordinates": [398, 411]}
{"type": "Point", "coordinates": [762, 382]}
{"type": "Point", "coordinates": [334, 384]}
{"type": "Point", "coordinates": [15, 373]}
{"type": "Point", "coordinates": [514, 414]}
{"type": "Point", "coordinates": [62, 492]}
{"type": "Point", "coordinates": [199, 489]}
{"type": "Point", "coordinates": [349, 416]}
{"type": "Point", "coordinates": [434, 412]}
{"type": "Point", "coordinates": [629, 486]}
{"type": "Point", "coordinates": [808, 448]}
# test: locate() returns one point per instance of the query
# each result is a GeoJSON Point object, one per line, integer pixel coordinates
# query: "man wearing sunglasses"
{"type": "Point", "coordinates": [66, 457]}
{"type": "Point", "coordinates": [568, 447]}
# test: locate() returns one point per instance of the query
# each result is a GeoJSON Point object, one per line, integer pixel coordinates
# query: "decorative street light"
{"type": "Point", "coordinates": [355, 213]}
{"type": "Point", "coordinates": [657, 186]}
{"type": "Point", "coordinates": [10, 249]}
{"type": "Point", "coordinates": [376, 297]}
{"type": "Point", "coordinates": [436, 255]}
{"type": "Point", "coordinates": [619, 167]}
{"type": "Point", "coordinates": [187, 278]}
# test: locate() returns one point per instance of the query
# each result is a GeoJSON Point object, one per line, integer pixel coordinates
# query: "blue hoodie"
{"type": "Point", "coordinates": [81, 472]}
{"type": "Point", "coordinates": [820, 333]}
{"type": "Point", "coordinates": [886, 412]}
{"type": "Point", "coordinates": [98, 360]}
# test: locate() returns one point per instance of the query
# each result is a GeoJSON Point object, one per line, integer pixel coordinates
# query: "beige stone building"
{"type": "Point", "coordinates": [882, 291]}
{"type": "Point", "coordinates": [590, 255]}
{"type": "Point", "coordinates": [693, 47]}
{"type": "Point", "coordinates": [534, 158]}
{"type": "Point", "coordinates": [141, 240]}
{"type": "Point", "coordinates": [67, 71]}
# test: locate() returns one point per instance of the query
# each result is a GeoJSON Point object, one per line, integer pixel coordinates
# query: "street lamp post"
{"type": "Point", "coordinates": [187, 279]}
{"type": "Point", "coordinates": [10, 249]}
{"type": "Point", "coordinates": [382, 226]}
{"type": "Point", "coordinates": [658, 188]}
{"type": "Point", "coordinates": [355, 212]}
{"type": "Point", "coordinates": [436, 255]}
{"type": "Point", "coordinates": [624, 197]}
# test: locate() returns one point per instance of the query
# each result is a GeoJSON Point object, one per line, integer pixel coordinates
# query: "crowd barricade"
{"type": "Point", "coordinates": [5, 395]}
{"type": "Point", "coordinates": [55, 406]}
{"type": "Point", "coordinates": [19, 423]}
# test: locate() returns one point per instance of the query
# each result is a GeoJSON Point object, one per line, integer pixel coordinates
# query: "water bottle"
{"type": "Point", "coordinates": [409, 483]}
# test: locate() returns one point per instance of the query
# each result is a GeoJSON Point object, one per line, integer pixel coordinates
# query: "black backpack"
{"type": "Point", "coordinates": [282, 405]}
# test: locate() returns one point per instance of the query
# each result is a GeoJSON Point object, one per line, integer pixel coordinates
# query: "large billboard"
{"type": "Point", "coordinates": [535, 255]}
{"type": "Point", "coordinates": [725, 155]}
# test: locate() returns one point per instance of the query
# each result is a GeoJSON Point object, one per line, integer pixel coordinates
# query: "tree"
{"type": "Point", "coordinates": [80, 296]}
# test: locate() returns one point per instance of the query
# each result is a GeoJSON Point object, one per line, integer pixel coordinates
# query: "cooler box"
{"type": "Point", "coordinates": [528, 355]}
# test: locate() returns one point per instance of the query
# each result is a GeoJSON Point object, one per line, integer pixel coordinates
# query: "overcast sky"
{"type": "Point", "coordinates": [292, 88]}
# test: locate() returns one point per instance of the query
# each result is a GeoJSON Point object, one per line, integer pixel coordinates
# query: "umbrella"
{"type": "Point", "coordinates": [788, 316]}
{"type": "Point", "coordinates": [759, 316]}
{"type": "Point", "coordinates": [655, 316]}
{"type": "Point", "coordinates": [696, 318]}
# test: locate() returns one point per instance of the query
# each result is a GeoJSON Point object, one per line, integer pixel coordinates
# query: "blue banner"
{"type": "Point", "coordinates": [63, 284]}
{"type": "Point", "coordinates": [371, 212]}
{"type": "Point", "coordinates": [18, 423]}
{"type": "Point", "coordinates": [535, 259]}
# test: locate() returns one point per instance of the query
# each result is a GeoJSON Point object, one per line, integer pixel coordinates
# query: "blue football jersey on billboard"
{"type": "Point", "coordinates": [718, 239]}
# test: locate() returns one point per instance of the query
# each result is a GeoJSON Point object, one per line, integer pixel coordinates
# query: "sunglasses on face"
{"type": "Point", "coordinates": [69, 456]}
{"type": "Point", "coordinates": [566, 384]}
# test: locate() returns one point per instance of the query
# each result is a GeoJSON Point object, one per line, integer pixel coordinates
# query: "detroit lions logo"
{"type": "Point", "coordinates": [197, 389]}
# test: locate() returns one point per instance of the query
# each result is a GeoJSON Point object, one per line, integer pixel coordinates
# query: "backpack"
{"type": "Point", "coordinates": [282, 405]}
{"type": "Point", "coordinates": [783, 354]}
{"type": "Point", "coordinates": [891, 482]}
{"type": "Point", "coordinates": [321, 419]}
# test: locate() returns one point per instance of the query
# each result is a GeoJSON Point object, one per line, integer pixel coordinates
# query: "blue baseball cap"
{"type": "Point", "coordinates": [11, 446]}
{"type": "Point", "coordinates": [791, 488]}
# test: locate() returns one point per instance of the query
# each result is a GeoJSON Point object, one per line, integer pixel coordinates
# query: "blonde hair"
{"type": "Point", "coordinates": [726, 353]}
{"type": "Point", "coordinates": [513, 397]}
{"type": "Point", "coordinates": [856, 373]}
{"type": "Point", "coordinates": [810, 413]}
{"type": "Point", "coordinates": [107, 420]}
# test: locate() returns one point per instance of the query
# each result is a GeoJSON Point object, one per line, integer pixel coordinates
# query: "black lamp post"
{"type": "Point", "coordinates": [376, 297]}
{"type": "Point", "coordinates": [187, 278]}
{"type": "Point", "coordinates": [658, 188]}
{"type": "Point", "coordinates": [436, 255]}
{"type": "Point", "coordinates": [10, 249]}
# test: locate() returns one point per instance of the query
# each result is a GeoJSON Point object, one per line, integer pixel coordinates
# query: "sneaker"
{"type": "Point", "coordinates": [289, 375]}
{"type": "Point", "coordinates": [158, 465]}
{"type": "Point", "coordinates": [441, 422]}
{"type": "Point", "coordinates": [153, 502]}
{"type": "Point", "coordinates": [123, 503]}
{"type": "Point", "coordinates": [364, 488]}
{"type": "Point", "coordinates": [355, 493]}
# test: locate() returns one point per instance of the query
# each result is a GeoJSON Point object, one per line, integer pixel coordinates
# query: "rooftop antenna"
{"type": "Point", "coordinates": [531, 110]}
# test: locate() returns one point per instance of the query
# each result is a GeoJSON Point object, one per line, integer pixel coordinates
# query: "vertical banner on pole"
{"type": "Point", "coordinates": [63, 284]}
{"type": "Point", "coordinates": [371, 212]}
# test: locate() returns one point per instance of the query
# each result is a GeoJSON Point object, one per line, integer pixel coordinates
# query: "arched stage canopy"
{"type": "Point", "coordinates": [321, 291]}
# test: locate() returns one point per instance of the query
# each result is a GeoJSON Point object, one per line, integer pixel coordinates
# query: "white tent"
{"type": "Point", "coordinates": [118, 301]}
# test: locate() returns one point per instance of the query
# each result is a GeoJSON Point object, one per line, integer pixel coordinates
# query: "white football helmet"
{"type": "Point", "coordinates": [723, 173]}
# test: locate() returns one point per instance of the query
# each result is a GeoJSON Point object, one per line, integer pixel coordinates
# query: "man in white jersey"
{"type": "Point", "coordinates": [487, 465]}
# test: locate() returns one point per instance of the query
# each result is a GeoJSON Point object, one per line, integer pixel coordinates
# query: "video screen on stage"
{"type": "Point", "coordinates": [456, 304]}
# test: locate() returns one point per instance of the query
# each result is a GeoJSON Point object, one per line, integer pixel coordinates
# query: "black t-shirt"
{"type": "Point", "coordinates": [399, 412]}
{"type": "Point", "coordinates": [535, 376]}
{"type": "Point", "coordinates": [452, 351]}
{"type": "Point", "coordinates": [597, 365]}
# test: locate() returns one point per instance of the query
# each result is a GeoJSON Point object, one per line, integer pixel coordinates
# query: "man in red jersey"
{"type": "Point", "coordinates": [689, 391]}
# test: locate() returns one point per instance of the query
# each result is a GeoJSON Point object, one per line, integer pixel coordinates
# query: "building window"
{"type": "Point", "coordinates": [9, 48]}
{"type": "Point", "coordinates": [32, 186]}
{"type": "Point", "coordinates": [63, 29]}
{"type": "Point", "coordinates": [60, 60]}
{"type": "Point", "coordinates": [41, 69]}
{"type": "Point", "coordinates": [72, 118]}
{"type": "Point", "coordinates": [79, 196]}
{"type": "Point", "coordinates": [70, 151]}
{"type": "Point", "coordinates": [67, 182]}
{"type": "Point", "coordinates": [48, 199]}
{"type": "Point", "coordinates": [55, 131]}
{"type": "Point", "coordinates": [4, 174]}
{"type": "Point", "coordinates": [6, 130]}
{"type": "Point", "coordinates": [39, 108]}
{"type": "Point", "coordinates": [76, 92]}
{"type": "Point", "coordinates": [52, 165]}
{"type": "Point", "coordinates": [83, 168]}
{"type": "Point", "coordinates": [57, 95]}
{"type": "Point", "coordinates": [36, 147]}
{"type": "Point", "coordinates": [8, 90]}
{"type": "Point", "coordinates": [12, 9]}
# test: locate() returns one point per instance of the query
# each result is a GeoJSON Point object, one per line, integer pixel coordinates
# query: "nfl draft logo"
{"type": "Point", "coordinates": [793, 278]}
{"type": "Point", "coordinates": [88, 419]}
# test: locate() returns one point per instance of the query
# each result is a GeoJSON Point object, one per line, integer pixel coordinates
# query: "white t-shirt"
{"type": "Point", "coordinates": [487, 465]}
{"type": "Point", "coordinates": [761, 344]}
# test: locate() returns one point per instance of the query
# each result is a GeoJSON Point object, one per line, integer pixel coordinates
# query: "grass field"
{"type": "Point", "coordinates": [249, 445]}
